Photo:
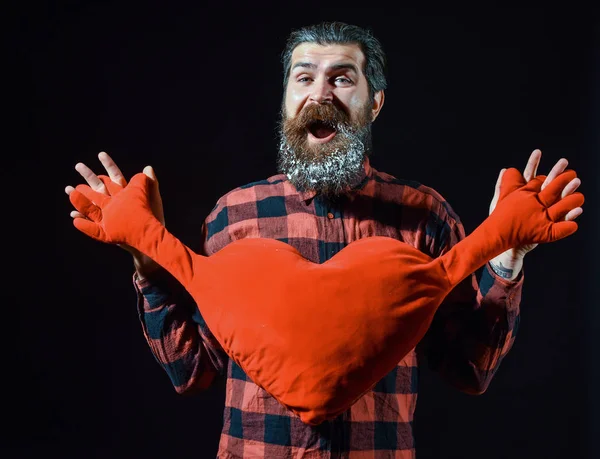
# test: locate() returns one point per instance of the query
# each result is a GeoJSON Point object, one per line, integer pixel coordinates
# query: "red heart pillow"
{"type": "Point", "coordinates": [318, 336]}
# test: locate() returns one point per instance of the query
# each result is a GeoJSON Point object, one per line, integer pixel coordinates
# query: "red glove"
{"type": "Point", "coordinates": [318, 336]}
{"type": "Point", "coordinates": [525, 214]}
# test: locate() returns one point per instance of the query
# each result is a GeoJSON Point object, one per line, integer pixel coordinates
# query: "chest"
{"type": "Point", "coordinates": [321, 228]}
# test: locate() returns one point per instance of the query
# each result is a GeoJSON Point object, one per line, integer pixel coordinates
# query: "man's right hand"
{"type": "Point", "coordinates": [144, 265]}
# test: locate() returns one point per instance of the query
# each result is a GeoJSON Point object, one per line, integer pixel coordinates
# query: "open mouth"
{"type": "Point", "coordinates": [320, 131]}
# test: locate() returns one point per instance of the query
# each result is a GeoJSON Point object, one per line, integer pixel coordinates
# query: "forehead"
{"type": "Point", "coordinates": [324, 56]}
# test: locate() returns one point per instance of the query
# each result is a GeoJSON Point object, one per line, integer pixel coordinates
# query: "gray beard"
{"type": "Point", "coordinates": [336, 168]}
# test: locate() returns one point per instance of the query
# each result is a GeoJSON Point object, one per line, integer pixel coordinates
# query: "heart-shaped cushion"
{"type": "Point", "coordinates": [318, 336]}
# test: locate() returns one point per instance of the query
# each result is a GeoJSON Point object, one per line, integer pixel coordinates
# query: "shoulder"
{"type": "Point", "coordinates": [240, 203]}
{"type": "Point", "coordinates": [412, 193]}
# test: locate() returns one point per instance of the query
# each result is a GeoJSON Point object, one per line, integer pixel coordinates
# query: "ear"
{"type": "Point", "coordinates": [378, 100]}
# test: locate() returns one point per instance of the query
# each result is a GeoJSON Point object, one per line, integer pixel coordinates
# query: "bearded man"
{"type": "Point", "coordinates": [327, 195]}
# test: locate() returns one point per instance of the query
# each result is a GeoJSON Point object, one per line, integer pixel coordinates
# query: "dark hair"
{"type": "Point", "coordinates": [339, 33]}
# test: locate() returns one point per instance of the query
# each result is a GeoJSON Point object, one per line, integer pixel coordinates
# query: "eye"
{"type": "Point", "coordinates": [304, 79]}
{"type": "Point", "coordinates": [343, 81]}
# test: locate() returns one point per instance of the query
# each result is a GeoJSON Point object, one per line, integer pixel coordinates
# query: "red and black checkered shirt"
{"type": "Point", "coordinates": [471, 333]}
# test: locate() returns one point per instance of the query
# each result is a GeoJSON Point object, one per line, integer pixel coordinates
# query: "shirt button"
{"type": "Point", "coordinates": [329, 215]}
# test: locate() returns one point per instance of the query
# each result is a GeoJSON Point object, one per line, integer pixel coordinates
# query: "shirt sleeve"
{"type": "Point", "coordinates": [475, 326]}
{"type": "Point", "coordinates": [177, 335]}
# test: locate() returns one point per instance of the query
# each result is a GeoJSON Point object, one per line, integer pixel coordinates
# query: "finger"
{"type": "Point", "coordinates": [571, 187]}
{"type": "Point", "coordinates": [511, 180]}
{"type": "Point", "coordinates": [112, 187]}
{"type": "Point", "coordinates": [573, 214]}
{"type": "Point", "coordinates": [95, 197]}
{"type": "Point", "coordinates": [73, 214]}
{"type": "Point", "coordinates": [112, 169]}
{"type": "Point", "coordinates": [85, 206]}
{"type": "Point", "coordinates": [90, 228]}
{"type": "Point", "coordinates": [92, 179]}
{"type": "Point", "coordinates": [554, 188]}
{"type": "Point", "coordinates": [535, 184]}
{"type": "Point", "coordinates": [561, 230]}
{"type": "Point", "coordinates": [560, 210]}
{"type": "Point", "coordinates": [558, 168]}
{"type": "Point", "coordinates": [532, 165]}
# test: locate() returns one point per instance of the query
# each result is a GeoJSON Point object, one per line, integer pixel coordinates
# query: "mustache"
{"type": "Point", "coordinates": [312, 114]}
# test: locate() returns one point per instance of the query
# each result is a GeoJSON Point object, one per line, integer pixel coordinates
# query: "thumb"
{"type": "Point", "coordinates": [157, 206]}
{"type": "Point", "coordinates": [496, 191]}
{"type": "Point", "coordinates": [499, 182]}
{"type": "Point", "coordinates": [149, 171]}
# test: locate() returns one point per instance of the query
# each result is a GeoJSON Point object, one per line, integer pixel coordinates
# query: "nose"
{"type": "Point", "coordinates": [321, 91]}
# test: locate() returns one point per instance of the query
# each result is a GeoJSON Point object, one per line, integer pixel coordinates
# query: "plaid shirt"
{"type": "Point", "coordinates": [472, 331]}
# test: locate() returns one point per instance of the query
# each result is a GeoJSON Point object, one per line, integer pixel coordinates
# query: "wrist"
{"type": "Point", "coordinates": [146, 269]}
{"type": "Point", "coordinates": [507, 265]}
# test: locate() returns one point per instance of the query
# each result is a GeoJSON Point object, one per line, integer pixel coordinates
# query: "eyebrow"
{"type": "Point", "coordinates": [310, 65]}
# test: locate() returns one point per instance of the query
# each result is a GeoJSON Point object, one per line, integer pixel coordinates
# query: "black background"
{"type": "Point", "coordinates": [195, 92]}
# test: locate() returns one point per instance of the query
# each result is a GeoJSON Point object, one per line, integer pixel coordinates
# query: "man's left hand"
{"type": "Point", "coordinates": [508, 265]}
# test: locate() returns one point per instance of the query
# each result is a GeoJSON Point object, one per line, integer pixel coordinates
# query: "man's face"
{"type": "Point", "coordinates": [326, 117]}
